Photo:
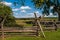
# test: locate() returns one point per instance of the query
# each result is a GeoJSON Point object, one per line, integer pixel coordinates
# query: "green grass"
{"type": "Point", "coordinates": [50, 35]}
{"type": "Point", "coordinates": [23, 38]}
{"type": "Point", "coordinates": [23, 23]}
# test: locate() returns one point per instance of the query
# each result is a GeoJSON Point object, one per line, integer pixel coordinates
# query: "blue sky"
{"type": "Point", "coordinates": [26, 11]}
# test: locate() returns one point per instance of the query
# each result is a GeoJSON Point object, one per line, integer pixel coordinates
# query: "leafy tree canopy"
{"type": "Point", "coordinates": [6, 11]}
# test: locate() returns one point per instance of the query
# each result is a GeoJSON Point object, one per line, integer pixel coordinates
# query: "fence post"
{"type": "Point", "coordinates": [39, 25]}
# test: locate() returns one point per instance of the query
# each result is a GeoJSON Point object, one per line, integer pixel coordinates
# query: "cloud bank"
{"type": "Point", "coordinates": [24, 7]}
{"type": "Point", "coordinates": [7, 3]}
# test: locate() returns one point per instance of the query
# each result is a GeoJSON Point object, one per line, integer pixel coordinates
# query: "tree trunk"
{"type": "Point", "coordinates": [58, 16]}
{"type": "Point", "coordinates": [2, 28]}
{"type": "Point", "coordinates": [2, 31]}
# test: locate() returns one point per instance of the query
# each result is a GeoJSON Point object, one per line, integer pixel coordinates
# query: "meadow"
{"type": "Point", "coordinates": [27, 22]}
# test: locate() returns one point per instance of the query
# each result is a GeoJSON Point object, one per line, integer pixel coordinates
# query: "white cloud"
{"type": "Point", "coordinates": [15, 14]}
{"type": "Point", "coordinates": [51, 7]}
{"type": "Point", "coordinates": [7, 3]}
{"type": "Point", "coordinates": [16, 9]}
{"type": "Point", "coordinates": [28, 15]}
{"type": "Point", "coordinates": [24, 7]}
{"type": "Point", "coordinates": [50, 16]}
{"type": "Point", "coordinates": [23, 11]}
{"type": "Point", "coordinates": [51, 13]}
{"type": "Point", "coordinates": [37, 12]}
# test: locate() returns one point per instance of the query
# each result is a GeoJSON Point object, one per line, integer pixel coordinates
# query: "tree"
{"type": "Point", "coordinates": [6, 11]}
{"type": "Point", "coordinates": [46, 4]}
{"type": "Point", "coordinates": [6, 17]}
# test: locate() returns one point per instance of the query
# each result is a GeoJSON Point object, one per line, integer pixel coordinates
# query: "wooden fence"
{"type": "Point", "coordinates": [20, 31]}
{"type": "Point", "coordinates": [29, 30]}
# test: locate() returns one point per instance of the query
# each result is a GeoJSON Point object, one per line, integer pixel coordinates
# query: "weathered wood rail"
{"type": "Point", "coordinates": [28, 30]}
{"type": "Point", "coordinates": [49, 25]}
{"type": "Point", "coordinates": [19, 31]}
{"type": "Point", "coordinates": [31, 30]}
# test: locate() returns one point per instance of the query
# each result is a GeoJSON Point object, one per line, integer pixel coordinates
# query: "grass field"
{"type": "Point", "coordinates": [50, 35]}
{"type": "Point", "coordinates": [22, 22]}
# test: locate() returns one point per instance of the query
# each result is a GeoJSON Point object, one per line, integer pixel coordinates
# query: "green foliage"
{"type": "Point", "coordinates": [7, 11]}
{"type": "Point", "coordinates": [38, 3]}
{"type": "Point", "coordinates": [46, 4]}
{"type": "Point", "coordinates": [10, 21]}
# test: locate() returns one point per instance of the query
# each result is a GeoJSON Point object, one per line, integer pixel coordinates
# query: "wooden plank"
{"type": "Point", "coordinates": [19, 31]}
{"type": "Point", "coordinates": [39, 25]}
{"type": "Point", "coordinates": [48, 25]}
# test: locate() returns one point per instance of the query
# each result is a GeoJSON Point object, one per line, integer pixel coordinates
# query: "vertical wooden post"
{"type": "Point", "coordinates": [39, 25]}
{"type": "Point", "coordinates": [2, 31]}
{"type": "Point", "coordinates": [55, 25]}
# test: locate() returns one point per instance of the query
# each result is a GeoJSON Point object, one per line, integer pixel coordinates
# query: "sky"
{"type": "Point", "coordinates": [26, 11]}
